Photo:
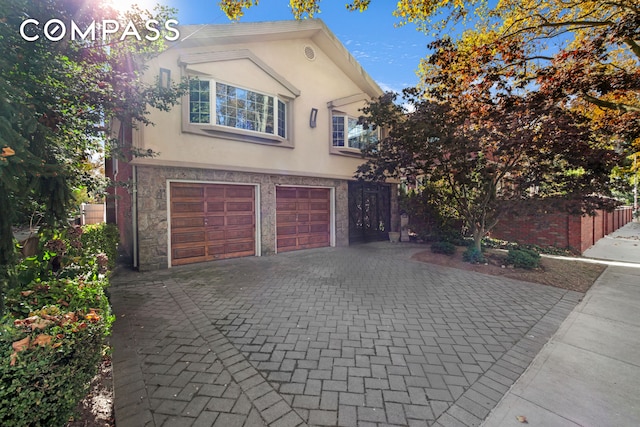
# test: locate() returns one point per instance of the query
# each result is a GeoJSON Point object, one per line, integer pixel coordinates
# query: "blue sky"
{"type": "Point", "coordinates": [389, 54]}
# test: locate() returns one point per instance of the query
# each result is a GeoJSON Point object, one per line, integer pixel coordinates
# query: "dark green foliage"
{"type": "Point", "coordinates": [460, 241]}
{"type": "Point", "coordinates": [429, 214]}
{"type": "Point", "coordinates": [473, 255]}
{"type": "Point", "coordinates": [55, 99]}
{"type": "Point", "coordinates": [524, 258]}
{"type": "Point", "coordinates": [488, 242]}
{"type": "Point", "coordinates": [57, 303]}
{"type": "Point", "coordinates": [75, 251]}
{"type": "Point", "coordinates": [443, 248]}
{"type": "Point", "coordinates": [102, 238]}
{"type": "Point", "coordinates": [46, 382]}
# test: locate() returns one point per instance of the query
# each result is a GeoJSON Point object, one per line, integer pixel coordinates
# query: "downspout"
{"type": "Point", "coordinates": [134, 215]}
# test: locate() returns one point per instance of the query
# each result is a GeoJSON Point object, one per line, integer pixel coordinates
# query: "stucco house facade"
{"type": "Point", "coordinates": [259, 157]}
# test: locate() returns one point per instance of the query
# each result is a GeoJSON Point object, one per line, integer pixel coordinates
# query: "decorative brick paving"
{"type": "Point", "coordinates": [337, 336]}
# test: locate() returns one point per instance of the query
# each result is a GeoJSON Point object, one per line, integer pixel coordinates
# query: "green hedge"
{"type": "Point", "coordinates": [443, 248]}
{"type": "Point", "coordinates": [101, 238]}
{"type": "Point", "coordinates": [473, 255]}
{"type": "Point", "coordinates": [52, 336]}
{"type": "Point", "coordinates": [523, 258]}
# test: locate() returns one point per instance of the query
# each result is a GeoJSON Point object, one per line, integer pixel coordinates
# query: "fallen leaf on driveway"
{"type": "Point", "coordinates": [522, 419]}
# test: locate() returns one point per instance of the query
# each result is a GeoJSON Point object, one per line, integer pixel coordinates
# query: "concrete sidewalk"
{"type": "Point", "coordinates": [622, 245]}
{"type": "Point", "coordinates": [588, 373]}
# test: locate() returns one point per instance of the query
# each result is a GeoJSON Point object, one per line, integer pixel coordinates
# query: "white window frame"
{"type": "Point", "coordinates": [216, 129]}
{"type": "Point", "coordinates": [345, 123]}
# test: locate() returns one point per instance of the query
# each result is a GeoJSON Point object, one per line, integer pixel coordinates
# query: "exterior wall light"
{"type": "Point", "coordinates": [312, 117]}
{"type": "Point", "coordinates": [165, 78]}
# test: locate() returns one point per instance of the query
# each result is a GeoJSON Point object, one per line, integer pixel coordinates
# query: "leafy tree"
{"type": "Point", "coordinates": [299, 8]}
{"type": "Point", "coordinates": [586, 49]}
{"type": "Point", "coordinates": [55, 98]}
{"type": "Point", "coordinates": [487, 148]}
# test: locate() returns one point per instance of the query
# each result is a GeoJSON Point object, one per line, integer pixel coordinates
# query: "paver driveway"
{"type": "Point", "coordinates": [335, 336]}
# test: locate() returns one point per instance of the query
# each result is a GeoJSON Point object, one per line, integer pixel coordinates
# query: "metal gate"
{"type": "Point", "coordinates": [369, 211]}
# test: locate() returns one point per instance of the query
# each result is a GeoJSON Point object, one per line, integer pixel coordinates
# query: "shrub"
{"type": "Point", "coordinates": [57, 316]}
{"type": "Point", "coordinates": [49, 355]}
{"type": "Point", "coordinates": [86, 252]}
{"type": "Point", "coordinates": [443, 248]}
{"type": "Point", "coordinates": [473, 256]}
{"type": "Point", "coordinates": [101, 238]}
{"type": "Point", "coordinates": [523, 258]}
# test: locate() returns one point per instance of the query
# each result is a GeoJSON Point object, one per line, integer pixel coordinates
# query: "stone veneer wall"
{"type": "Point", "coordinates": [152, 206]}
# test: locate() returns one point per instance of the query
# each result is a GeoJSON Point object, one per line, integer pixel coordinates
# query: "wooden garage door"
{"type": "Point", "coordinates": [211, 221]}
{"type": "Point", "coordinates": [303, 218]}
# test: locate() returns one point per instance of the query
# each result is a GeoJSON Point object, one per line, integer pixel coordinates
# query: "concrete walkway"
{"type": "Point", "coordinates": [622, 245]}
{"type": "Point", "coordinates": [588, 374]}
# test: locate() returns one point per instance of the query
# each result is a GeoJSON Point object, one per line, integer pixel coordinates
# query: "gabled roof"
{"type": "Point", "coordinates": [208, 35]}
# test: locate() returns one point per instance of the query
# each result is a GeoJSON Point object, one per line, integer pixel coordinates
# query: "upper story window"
{"type": "Point", "coordinates": [348, 133]}
{"type": "Point", "coordinates": [199, 102]}
{"type": "Point", "coordinates": [236, 107]}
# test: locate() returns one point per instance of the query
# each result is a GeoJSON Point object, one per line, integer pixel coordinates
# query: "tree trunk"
{"type": "Point", "coordinates": [478, 234]}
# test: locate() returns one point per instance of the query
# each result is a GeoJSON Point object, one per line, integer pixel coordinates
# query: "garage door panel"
{"type": "Point", "coordinates": [216, 249]}
{"type": "Point", "coordinates": [215, 206]}
{"type": "Point", "coordinates": [190, 252]}
{"type": "Point", "coordinates": [215, 221]}
{"type": "Point", "coordinates": [187, 191]}
{"type": "Point", "coordinates": [239, 192]}
{"type": "Point", "coordinates": [225, 251]}
{"type": "Point", "coordinates": [239, 247]}
{"type": "Point", "coordinates": [211, 221]}
{"type": "Point", "coordinates": [239, 206]}
{"type": "Point", "coordinates": [285, 218]}
{"type": "Point", "coordinates": [319, 206]}
{"type": "Point", "coordinates": [214, 192]}
{"type": "Point", "coordinates": [318, 194]}
{"type": "Point", "coordinates": [288, 230]}
{"type": "Point", "coordinates": [186, 237]}
{"type": "Point", "coordinates": [318, 239]}
{"type": "Point", "coordinates": [287, 244]}
{"type": "Point", "coordinates": [319, 228]}
{"type": "Point", "coordinates": [286, 193]}
{"type": "Point", "coordinates": [190, 207]}
{"type": "Point", "coordinates": [187, 222]}
{"type": "Point", "coordinates": [303, 241]}
{"type": "Point", "coordinates": [303, 218]}
{"type": "Point", "coordinates": [319, 217]}
{"type": "Point", "coordinates": [215, 235]}
{"type": "Point", "coordinates": [286, 205]}
{"type": "Point", "coordinates": [240, 219]}
{"type": "Point", "coordinates": [240, 233]}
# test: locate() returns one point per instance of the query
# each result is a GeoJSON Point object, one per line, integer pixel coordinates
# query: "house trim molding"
{"type": "Point", "coordinates": [235, 168]}
{"type": "Point", "coordinates": [231, 55]}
